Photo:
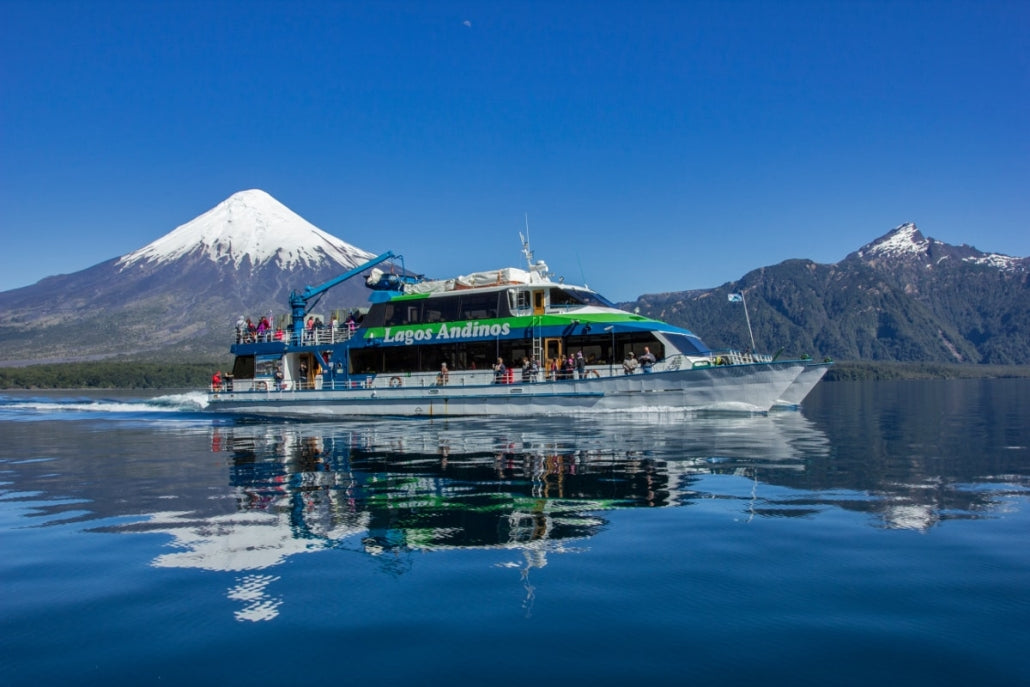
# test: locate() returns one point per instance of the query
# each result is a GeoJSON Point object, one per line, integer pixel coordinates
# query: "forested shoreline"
{"type": "Point", "coordinates": [127, 374]}
{"type": "Point", "coordinates": [121, 374]}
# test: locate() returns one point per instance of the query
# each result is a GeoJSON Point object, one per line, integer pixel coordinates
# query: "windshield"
{"type": "Point", "coordinates": [687, 344]}
{"type": "Point", "coordinates": [570, 297]}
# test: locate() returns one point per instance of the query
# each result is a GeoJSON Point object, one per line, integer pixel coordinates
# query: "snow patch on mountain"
{"type": "Point", "coordinates": [903, 240]}
{"type": "Point", "coordinates": [250, 224]}
{"type": "Point", "coordinates": [997, 260]}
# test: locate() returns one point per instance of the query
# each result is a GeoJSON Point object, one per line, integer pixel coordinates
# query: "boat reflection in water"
{"type": "Point", "coordinates": [394, 487]}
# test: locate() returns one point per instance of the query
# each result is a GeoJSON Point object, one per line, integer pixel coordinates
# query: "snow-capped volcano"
{"type": "Point", "coordinates": [250, 226]}
{"type": "Point", "coordinates": [181, 294]}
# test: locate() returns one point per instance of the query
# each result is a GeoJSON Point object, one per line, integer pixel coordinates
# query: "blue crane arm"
{"type": "Point", "coordinates": [299, 301]}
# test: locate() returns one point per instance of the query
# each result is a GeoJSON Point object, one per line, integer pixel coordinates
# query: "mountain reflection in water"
{"type": "Point", "coordinates": [413, 485]}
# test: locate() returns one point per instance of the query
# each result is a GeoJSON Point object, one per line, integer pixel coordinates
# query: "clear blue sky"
{"type": "Point", "coordinates": [655, 146]}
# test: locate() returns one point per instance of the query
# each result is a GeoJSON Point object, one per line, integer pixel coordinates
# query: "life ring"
{"type": "Point", "coordinates": [593, 373]}
{"type": "Point", "coordinates": [395, 382]}
{"type": "Point", "coordinates": [262, 386]}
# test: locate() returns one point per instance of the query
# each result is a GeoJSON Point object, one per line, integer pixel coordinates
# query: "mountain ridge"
{"type": "Point", "coordinates": [901, 297]}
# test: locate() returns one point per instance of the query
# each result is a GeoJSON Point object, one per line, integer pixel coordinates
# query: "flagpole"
{"type": "Point", "coordinates": [748, 318]}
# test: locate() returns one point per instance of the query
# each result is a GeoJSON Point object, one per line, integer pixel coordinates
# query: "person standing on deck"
{"type": "Point", "coordinates": [647, 360]}
{"type": "Point", "coordinates": [629, 365]}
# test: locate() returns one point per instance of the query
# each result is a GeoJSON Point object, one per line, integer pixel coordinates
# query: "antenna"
{"type": "Point", "coordinates": [526, 250]}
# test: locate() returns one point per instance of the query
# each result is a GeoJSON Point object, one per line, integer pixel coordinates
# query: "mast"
{"type": "Point", "coordinates": [527, 252]}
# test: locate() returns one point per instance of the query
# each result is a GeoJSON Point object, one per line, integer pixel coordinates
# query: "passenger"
{"type": "Point", "coordinates": [309, 330]}
{"type": "Point", "coordinates": [251, 331]}
{"type": "Point", "coordinates": [629, 365]}
{"type": "Point", "coordinates": [444, 376]}
{"type": "Point", "coordinates": [500, 372]}
{"type": "Point", "coordinates": [241, 327]}
{"type": "Point", "coordinates": [647, 360]}
{"type": "Point", "coordinates": [279, 334]}
{"type": "Point", "coordinates": [568, 367]}
{"type": "Point", "coordinates": [216, 381]}
{"type": "Point", "coordinates": [581, 365]}
{"type": "Point", "coordinates": [262, 329]}
{"type": "Point", "coordinates": [529, 370]}
{"type": "Point", "coordinates": [279, 376]}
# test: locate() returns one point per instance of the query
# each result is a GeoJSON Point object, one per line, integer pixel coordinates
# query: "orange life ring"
{"type": "Point", "coordinates": [395, 382]}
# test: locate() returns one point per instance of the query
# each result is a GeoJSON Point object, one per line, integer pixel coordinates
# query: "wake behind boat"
{"type": "Point", "coordinates": [503, 342]}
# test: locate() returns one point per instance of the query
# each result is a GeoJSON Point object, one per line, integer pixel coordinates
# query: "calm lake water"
{"type": "Point", "coordinates": [881, 535]}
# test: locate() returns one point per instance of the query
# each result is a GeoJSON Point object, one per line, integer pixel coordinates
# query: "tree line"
{"type": "Point", "coordinates": [125, 374]}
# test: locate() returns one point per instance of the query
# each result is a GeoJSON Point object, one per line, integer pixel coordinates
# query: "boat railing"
{"type": "Point", "coordinates": [735, 357]}
{"type": "Point", "coordinates": [309, 337]}
{"type": "Point", "coordinates": [460, 378]}
{"type": "Point", "coordinates": [320, 336]}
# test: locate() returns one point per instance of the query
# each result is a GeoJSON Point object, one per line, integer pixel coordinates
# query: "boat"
{"type": "Point", "coordinates": [487, 343]}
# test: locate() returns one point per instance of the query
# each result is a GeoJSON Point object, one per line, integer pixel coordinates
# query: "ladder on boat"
{"type": "Point", "coordinates": [538, 344]}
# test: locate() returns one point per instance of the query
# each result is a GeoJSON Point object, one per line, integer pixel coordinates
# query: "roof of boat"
{"type": "Point", "coordinates": [537, 274]}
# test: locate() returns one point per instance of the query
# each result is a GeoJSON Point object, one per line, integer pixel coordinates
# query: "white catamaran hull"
{"type": "Point", "coordinates": [746, 388]}
{"type": "Point", "coordinates": [802, 385]}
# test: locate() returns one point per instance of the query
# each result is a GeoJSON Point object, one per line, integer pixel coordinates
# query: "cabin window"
{"type": "Point", "coordinates": [243, 367]}
{"type": "Point", "coordinates": [264, 365]}
{"type": "Point", "coordinates": [477, 355]}
{"type": "Point", "coordinates": [518, 300]}
{"type": "Point", "coordinates": [402, 312]}
{"type": "Point", "coordinates": [480, 306]}
{"type": "Point", "coordinates": [442, 309]}
{"type": "Point", "coordinates": [562, 299]}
